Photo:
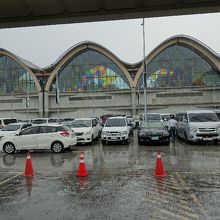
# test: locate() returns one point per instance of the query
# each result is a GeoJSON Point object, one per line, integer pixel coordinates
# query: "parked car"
{"type": "Point", "coordinates": [40, 137]}
{"type": "Point", "coordinates": [6, 121]}
{"type": "Point", "coordinates": [198, 125]}
{"type": "Point", "coordinates": [153, 132]}
{"type": "Point", "coordinates": [38, 121]}
{"type": "Point", "coordinates": [13, 128]}
{"type": "Point", "coordinates": [86, 129]}
{"type": "Point", "coordinates": [116, 129]}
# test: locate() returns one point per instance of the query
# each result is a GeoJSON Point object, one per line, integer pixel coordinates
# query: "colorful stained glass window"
{"type": "Point", "coordinates": [14, 78]}
{"type": "Point", "coordinates": [179, 66]}
{"type": "Point", "coordinates": [90, 71]}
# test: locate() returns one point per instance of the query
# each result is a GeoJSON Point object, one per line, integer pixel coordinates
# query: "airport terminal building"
{"type": "Point", "coordinates": [89, 80]}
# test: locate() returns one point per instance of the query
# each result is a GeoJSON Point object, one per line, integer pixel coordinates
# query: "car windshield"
{"type": "Point", "coordinates": [81, 123]}
{"type": "Point", "coordinates": [11, 127]}
{"type": "Point", "coordinates": [203, 117]}
{"type": "Point", "coordinates": [165, 116]}
{"type": "Point", "coordinates": [152, 125]}
{"type": "Point", "coordinates": [39, 121]}
{"type": "Point", "coordinates": [115, 122]}
{"type": "Point", "coordinates": [154, 117]}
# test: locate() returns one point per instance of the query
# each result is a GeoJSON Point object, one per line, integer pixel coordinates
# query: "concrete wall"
{"type": "Point", "coordinates": [163, 100]}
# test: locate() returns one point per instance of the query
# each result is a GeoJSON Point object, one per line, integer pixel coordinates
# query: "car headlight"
{"type": "Point", "coordinates": [193, 129]}
{"type": "Point", "coordinates": [87, 132]}
{"type": "Point", "coordinates": [105, 133]}
{"type": "Point", "coordinates": [124, 132]}
{"type": "Point", "coordinates": [218, 129]}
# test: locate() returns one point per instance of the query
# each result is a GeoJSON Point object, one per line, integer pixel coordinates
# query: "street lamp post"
{"type": "Point", "coordinates": [214, 95]}
{"type": "Point", "coordinates": [57, 97]}
{"type": "Point", "coordinates": [144, 75]}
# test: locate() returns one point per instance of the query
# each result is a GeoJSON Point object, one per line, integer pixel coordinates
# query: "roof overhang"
{"type": "Point", "coordinates": [21, 13]}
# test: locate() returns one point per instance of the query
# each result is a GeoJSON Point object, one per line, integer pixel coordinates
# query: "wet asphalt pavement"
{"type": "Point", "coordinates": [120, 184]}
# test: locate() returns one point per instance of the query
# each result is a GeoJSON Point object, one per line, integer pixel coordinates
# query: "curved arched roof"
{"type": "Point", "coordinates": [77, 49]}
{"type": "Point", "coordinates": [200, 48]}
{"type": "Point", "coordinates": [28, 66]}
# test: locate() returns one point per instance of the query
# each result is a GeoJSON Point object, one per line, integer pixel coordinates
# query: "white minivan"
{"type": "Point", "coordinates": [198, 125]}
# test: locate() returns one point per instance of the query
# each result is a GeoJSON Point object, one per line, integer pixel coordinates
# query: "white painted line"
{"type": "Point", "coordinates": [5, 181]}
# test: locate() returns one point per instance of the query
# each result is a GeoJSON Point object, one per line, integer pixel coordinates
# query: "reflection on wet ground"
{"type": "Point", "coordinates": [120, 184]}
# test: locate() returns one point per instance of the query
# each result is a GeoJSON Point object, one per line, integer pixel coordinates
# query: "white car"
{"type": "Point", "coordinates": [40, 137]}
{"type": "Point", "coordinates": [86, 129]}
{"type": "Point", "coordinates": [116, 129]}
{"type": "Point", "coordinates": [13, 128]}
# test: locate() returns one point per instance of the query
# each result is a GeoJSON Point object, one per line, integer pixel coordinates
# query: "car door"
{"type": "Point", "coordinates": [46, 136]}
{"type": "Point", "coordinates": [26, 139]}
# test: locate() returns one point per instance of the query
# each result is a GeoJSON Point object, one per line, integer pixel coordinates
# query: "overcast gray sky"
{"type": "Point", "coordinates": [43, 45]}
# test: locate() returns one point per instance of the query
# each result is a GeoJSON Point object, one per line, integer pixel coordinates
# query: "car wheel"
{"type": "Point", "coordinates": [57, 147]}
{"type": "Point", "coordinates": [104, 142]}
{"type": "Point", "coordinates": [9, 148]}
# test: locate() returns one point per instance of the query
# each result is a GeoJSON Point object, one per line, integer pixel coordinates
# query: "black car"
{"type": "Point", "coordinates": [153, 132]}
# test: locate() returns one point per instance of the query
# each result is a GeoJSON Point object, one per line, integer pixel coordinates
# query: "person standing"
{"type": "Point", "coordinates": [172, 127]}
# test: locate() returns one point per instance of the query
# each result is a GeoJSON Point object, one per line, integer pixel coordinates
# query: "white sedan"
{"type": "Point", "coordinates": [86, 129]}
{"type": "Point", "coordinates": [40, 137]}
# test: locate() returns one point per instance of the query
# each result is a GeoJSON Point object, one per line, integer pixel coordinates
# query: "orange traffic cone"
{"type": "Point", "coordinates": [159, 170]}
{"type": "Point", "coordinates": [29, 171]}
{"type": "Point", "coordinates": [82, 166]}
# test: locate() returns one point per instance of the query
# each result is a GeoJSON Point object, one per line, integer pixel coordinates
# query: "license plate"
{"type": "Point", "coordinates": [114, 138]}
{"type": "Point", "coordinates": [155, 138]}
{"type": "Point", "coordinates": [207, 139]}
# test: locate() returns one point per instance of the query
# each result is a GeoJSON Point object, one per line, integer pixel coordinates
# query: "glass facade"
{"type": "Point", "coordinates": [179, 66]}
{"type": "Point", "coordinates": [90, 71]}
{"type": "Point", "coordinates": [14, 78]}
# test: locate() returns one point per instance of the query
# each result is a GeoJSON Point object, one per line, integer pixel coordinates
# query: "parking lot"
{"type": "Point", "coordinates": [120, 184]}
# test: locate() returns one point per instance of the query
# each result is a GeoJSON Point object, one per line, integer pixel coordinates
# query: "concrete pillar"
{"type": "Point", "coordinates": [133, 102]}
{"type": "Point", "coordinates": [46, 104]}
{"type": "Point", "coordinates": [40, 104]}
